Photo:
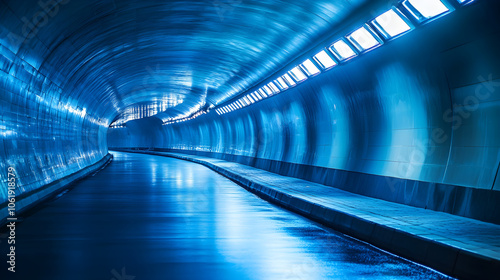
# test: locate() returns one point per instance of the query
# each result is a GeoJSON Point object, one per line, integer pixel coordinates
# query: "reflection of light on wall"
{"type": "Point", "coordinates": [178, 179]}
{"type": "Point", "coordinates": [147, 110]}
{"type": "Point", "coordinates": [407, 133]}
{"type": "Point", "coordinates": [193, 113]}
{"type": "Point", "coordinates": [154, 165]}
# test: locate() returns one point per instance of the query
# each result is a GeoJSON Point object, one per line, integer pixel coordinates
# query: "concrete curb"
{"type": "Point", "coordinates": [29, 200]}
{"type": "Point", "coordinates": [445, 258]}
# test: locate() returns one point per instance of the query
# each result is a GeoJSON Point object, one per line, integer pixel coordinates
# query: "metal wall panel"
{"type": "Point", "coordinates": [68, 68]}
{"type": "Point", "coordinates": [423, 107]}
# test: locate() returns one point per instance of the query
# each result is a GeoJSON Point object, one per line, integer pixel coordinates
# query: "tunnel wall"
{"type": "Point", "coordinates": [415, 121]}
{"type": "Point", "coordinates": [47, 132]}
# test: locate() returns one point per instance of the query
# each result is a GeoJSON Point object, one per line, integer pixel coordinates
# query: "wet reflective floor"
{"type": "Point", "coordinates": [150, 217]}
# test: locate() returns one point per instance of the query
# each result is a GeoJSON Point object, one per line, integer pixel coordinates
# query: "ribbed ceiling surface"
{"type": "Point", "coordinates": [111, 55]}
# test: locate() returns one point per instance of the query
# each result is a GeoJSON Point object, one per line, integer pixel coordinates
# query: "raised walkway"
{"type": "Point", "coordinates": [458, 246]}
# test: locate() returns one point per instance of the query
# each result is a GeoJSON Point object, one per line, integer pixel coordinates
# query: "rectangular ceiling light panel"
{"type": "Point", "coordinates": [425, 9]}
{"type": "Point", "coordinates": [392, 23]}
{"type": "Point", "coordinates": [297, 74]}
{"type": "Point", "coordinates": [324, 60]}
{"type": "Point", "coordinates": [309, 67]}
{"type": "Point", "coordinates": [342, 50]}
{"type": "Point", "coordinates": [364, 39]}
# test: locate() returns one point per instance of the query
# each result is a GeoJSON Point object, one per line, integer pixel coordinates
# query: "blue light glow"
{"type": "Point", "coordinates": [425, 9]}
{"type": "Point", "coordinates": [289, 80]}
{"type": "Point", "coordinates": [363, 39]}
{"type": "Point", "coordinates": [297, 74]}
{"type": "Point", "coordinates": [324, 60]}
{"type": "Point", "coordinates": [267, 90]}
{"type": "Point", "coordinates": [262, 92]}
{"type": "Point", "coordinates": [391, 24]}
{"type": "Point", "coordinates": [310, 68]}
{"type": "Point", "coordinates": [273, 87]}
{"type": "Point", "coordinates": [256, 96]}
{"type": "Point", "coordinates": [281, 83]}
{"type": "Point", "coordinates": [342, 50]}
{"type": "Point", "coordinates": [247, 100]}
{"type": "Point", "coordinates": [251, 98]}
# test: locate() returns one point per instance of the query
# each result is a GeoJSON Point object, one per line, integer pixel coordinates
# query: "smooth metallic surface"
{"type": "Point", "coordinates": [160, 218]}
{"type": "Point", "coordinates": [424, 107]}
{"type": "Point", "coordinates": [68, 68]}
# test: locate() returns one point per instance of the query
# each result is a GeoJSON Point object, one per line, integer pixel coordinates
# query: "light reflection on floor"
{"type": "Point", "coordinates": [160, 218]}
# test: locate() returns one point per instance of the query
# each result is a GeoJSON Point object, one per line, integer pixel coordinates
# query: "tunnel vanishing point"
{"type": "Point", "coordinates": [241, 139]}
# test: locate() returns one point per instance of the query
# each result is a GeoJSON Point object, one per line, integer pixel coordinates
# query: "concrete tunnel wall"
{"type": "Point", "coordinates": [48, 128]}
{"type": "Point", "coordinates": [414, 121]}
{"type": "Point", "coordinates": [68, 68]}
{"type": "Point", "coordinates": [45, 133]}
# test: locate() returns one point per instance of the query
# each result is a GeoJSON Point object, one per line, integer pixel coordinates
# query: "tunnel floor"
{"type": "Point", "coordinates": [152, 217]}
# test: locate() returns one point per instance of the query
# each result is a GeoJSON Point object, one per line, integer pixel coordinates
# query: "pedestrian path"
{"type": "Point", "coordinates": [455, 245]}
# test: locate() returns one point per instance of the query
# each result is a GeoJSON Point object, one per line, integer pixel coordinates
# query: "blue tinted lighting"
{"type": "Point", "coordinates": [425, 9]}
{"type": "Point", "coordinates": [251, 98]}
{"type": "Point", "coordinates": [273, 87]}
{"type": "Point", "coordinates": [255, 96]}
{"type": "Point", "coordinates": [268, 90]}
{"type": "Point", "coordinates": [342, 51]}
{"type": "Point", "coordinates": [310, 68]}
{"type": "Point", "coordinates": [324, 60]}
{"type": "Point", "coordinates": [391, 23]}
{"type": "Point", "coordinates": [289, 80]}
{"type": "Point", "coordinates": [281, 83]}
{"type": "Point", "coordinates": [363, 39]}
{"type": "Point", "coordinates": [297, 74]}
{"type": "Point", "coordinates": [263, 93]}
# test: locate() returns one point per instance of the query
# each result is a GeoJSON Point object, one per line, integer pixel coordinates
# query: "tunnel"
{"type": "Point", "coordinates": [242, 139]}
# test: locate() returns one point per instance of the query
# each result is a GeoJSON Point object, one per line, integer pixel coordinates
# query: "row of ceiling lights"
{"type": "Point", "coordinates": [387, 26]}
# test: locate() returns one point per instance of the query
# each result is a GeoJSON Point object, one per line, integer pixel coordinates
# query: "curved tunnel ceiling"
{"type": "Point", "coordinates": [114, 54]}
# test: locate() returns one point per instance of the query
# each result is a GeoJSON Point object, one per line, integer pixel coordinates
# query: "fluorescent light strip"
{"type": "Point", "coordinates": [297, 74]}
{"type": "Point", "coordinates": [425, 9]}
{"type": "Point", "coordinates": [251, 98]}
{"type": "Point", "coordinates": [267, 90]}
{"type": "Point", "coordinates": [310, 68]}
{"type": "Point", "coordinates": [342, 50]}
{"type": "Point", "coordinates": [391, 23]}
{"type": "Point", "coordinates": [262, 92]}
{"type": "Point", "coordinates": [324, 60]}
{"type": "Point", "coordinates": [289, 80]}
{"type": "Point", "coordinates": [281, 83]}
{"type": "Point", "coordinates": [273, 87]}
{"type": "Point", "coordinates": [363, 39]}
{"type": "Point", "coordinates": [255, 96]}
